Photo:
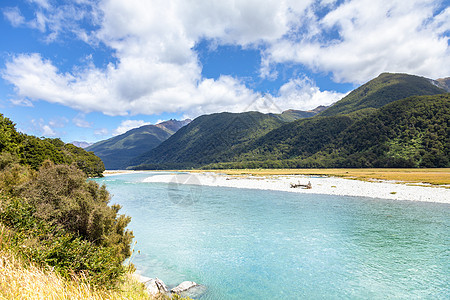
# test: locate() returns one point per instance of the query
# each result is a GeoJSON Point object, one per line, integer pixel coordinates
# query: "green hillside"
{"type": "Point", "coordinates": [33, 151]}
{"type": "Point", "coordinates": [292, 114]}
{"type": "Point", "coordinates": [209, 138]}
{"type": "Point", "coordinates": [382, 90]}
{"type": "Point", "coordinates": [333, 138]}
{"type": "Point", "coordinates": [411, 132]}
{"type": "Point", "coordinates": [117, 151]}
{"type": "Point", "coordinates": [215, 138]}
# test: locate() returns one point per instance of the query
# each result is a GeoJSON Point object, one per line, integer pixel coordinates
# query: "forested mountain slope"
{"type": "Point", "coordinates": [333, 138]}
{"type": "Point", "coordinates": [117, 151]}
{"type": "Point", "coordinates": [411, 132]}
{"type": "Point", "coordinates": [382, 90]}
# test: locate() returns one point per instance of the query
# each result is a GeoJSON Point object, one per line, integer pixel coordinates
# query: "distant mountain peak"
{"type": "Point", "coordinates": [173, 125]}
{"type": "Point", "coordinates": [81, 144]}
{"type": "Point", "coordinates": [443, 83]}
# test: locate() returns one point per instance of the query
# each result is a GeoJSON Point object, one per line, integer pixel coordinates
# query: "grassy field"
{"type": "Point", "coordinates": [431, 176]}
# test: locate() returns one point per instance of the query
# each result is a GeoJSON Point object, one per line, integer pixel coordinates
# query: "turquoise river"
{"type": "Point", "coordinates": [256, 244]}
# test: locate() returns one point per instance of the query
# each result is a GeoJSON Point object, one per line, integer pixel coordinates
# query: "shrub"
{"type": "Point", "coordinates": [62, 196]}
{"type": "Point", "coordinates": [38, 242]}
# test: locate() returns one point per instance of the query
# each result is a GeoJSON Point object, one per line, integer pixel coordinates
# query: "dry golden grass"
{"type": "Point", "coordinates": [31, 282]}
{"type": "Point", "coordinates": [24, 280]}
{"type": "Point", "coordinates": [431, 176]}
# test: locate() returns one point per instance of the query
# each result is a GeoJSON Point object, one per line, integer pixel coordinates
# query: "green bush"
{"type": "Point", "coordinates": [39, 242]}
{"type": "Point", "coordinates": [32, 151]}
{"type": "Point", "coordinates": [60, 219]}
{"type": "Point", "coordinates": [62, 195]}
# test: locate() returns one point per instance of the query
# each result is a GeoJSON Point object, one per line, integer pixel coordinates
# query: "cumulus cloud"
{"type": "Point", "coordinates": [156, 68]}
{"type": "Point", "coordinates": [101, 132]}
{"type": "Point", "coordinates": [80, 121]}
{"type": "Point", "coordinates": [371, 37]}
{"type": "Point", "coordinates": [14, 16]}
{"type": "Point", "coordinates": [128, 125]}
{"type": "Point", "coordinates": [42, 128]}
{"type": "Point", "coordinates": [302, 93]}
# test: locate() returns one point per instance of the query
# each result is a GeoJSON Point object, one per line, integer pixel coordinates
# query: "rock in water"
{"type": "Point", "coordinates": [155, 286]}
{"type": "Point", "coordinates": [184, 286]}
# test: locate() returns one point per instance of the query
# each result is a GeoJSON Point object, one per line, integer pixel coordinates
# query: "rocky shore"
{"type": "Point", "coordinates": [156, 286]}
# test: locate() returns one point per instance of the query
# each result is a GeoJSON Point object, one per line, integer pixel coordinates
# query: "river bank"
{"type": "Point", "coordinates": [394, 190]}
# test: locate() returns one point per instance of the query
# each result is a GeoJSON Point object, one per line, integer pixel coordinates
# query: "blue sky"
{"type": "Point", "coordinates": [89, 69]}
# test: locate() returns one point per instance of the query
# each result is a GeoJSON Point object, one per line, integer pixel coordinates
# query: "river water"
{"type": "Point", "coordinates": [256, 244]}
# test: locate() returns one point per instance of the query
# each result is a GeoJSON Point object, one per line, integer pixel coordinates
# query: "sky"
{"type": "Point", "coordinates": [86, 70]}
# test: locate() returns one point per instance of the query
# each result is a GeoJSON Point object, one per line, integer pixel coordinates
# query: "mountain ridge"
{"type": "Point", "coordinates": [303, 139]}
{"type": "Point", "coordinates": [382, 90]}
{"type": "Point", "coordinates": [115, 152]}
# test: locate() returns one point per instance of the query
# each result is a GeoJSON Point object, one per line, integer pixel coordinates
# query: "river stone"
{"type": "Point", "coordinates": [155, 286]}
{"type": "Point", "coordinates": [194, 292]}
{"type": "Point", "coordinates": [184, 286]}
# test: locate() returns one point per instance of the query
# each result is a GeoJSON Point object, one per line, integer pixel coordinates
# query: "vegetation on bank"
{"type": "Point", "coordinates": [32, 151]}
{"type": "Point", "coordinates": [58, 219]}
{"type": "Point", "coordinates": [59, 237]}
{"type": "Point", "coordinates": [21, 279]}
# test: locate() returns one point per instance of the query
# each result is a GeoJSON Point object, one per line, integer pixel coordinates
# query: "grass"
{"type": "Point", "coordinates": [20, 279]}
{"type": "Point", "coordinates": [430, 176]}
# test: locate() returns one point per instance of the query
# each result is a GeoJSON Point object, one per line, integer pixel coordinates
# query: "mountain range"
{"type": "Point", "coordinates": [394, 120]}
{"type": "Point", "coordinates": [117, 151]}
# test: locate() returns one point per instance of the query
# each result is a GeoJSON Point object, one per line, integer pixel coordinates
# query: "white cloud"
{"type": "Point", "coordinates": [101, 132]}
{"type": "Point", "coordinates": [42, 3]}
{"type": "Point", "coordinates": [128, 125]}
{"type": "Point", "coordinates": [80, 121]}
{"type": "Point", "coordinates": [157, 70]}
{"type": "Point", "coordinates": [58, 122]}
{"type": "Point", "coordinates": [372, 37]}
{"type": "Point", "coordinates": [43, 129]}
{"type": "Point", "coordinates": [303, 94]}
{"type": "Point", "coordinates": [13, 15]}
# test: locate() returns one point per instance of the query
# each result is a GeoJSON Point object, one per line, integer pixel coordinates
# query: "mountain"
{"type": "Point", "coordinates": [117, 151]}
{"type": "Point", "coordinates": [216, 137]}
{"type": "Point", "coordinates": [443, 83]}
{"type": "Point", "coordinates": [332, 138]}
{"type": "Point", "coordinates": [209, 137]}
{"type": "Point", "coordinates": [382, 90]}
{"type": "Point", "coordinates": [411, 132]}
{"type": "Point", "coordinates": [292, 114]}
{"type": "Point", "coordinates": [81, 144]}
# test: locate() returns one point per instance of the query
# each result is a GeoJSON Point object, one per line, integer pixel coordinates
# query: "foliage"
{"type": "Point", "coordinates": [22, 279]}
{"type": "Point", "coordinates": [60, 219]}
{"type": "Point", "coordinates": [412, 132]}
{"type": "Point", "coordinates": [33, 151]}
{"type": "Point", "coordinates": [61, 195]}
{"type": "Point", "coordinates": [38, 242]}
